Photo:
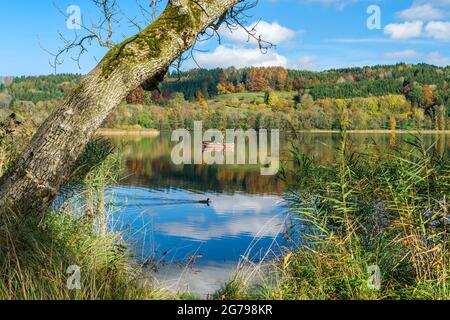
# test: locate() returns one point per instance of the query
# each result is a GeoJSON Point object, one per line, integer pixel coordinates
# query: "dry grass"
{"type": "Point", "coordinates": [370, 208]}
{"type": "Point", "coordinates": [35, 254]}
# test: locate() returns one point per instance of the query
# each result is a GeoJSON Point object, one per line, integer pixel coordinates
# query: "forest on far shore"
{"type": "Point", "coordinates": [398, 96]}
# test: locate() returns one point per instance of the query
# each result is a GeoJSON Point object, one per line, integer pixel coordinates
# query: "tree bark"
{"type": "Point", "coordinates": [46, 163]}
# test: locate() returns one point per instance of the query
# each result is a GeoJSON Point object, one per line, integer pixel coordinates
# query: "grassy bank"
{"type": "Point", "coordinates": [371, 211]}
{"type": "Point", "coordinates": [36, 257]}
{"type": "Point", "coordinates": [39, 254]}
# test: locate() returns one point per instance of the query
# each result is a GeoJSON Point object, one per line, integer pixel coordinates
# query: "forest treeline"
{"type": "Point", "coordinates": [395, 96]}
{"type": "Point", "coordinates": [339, 83]}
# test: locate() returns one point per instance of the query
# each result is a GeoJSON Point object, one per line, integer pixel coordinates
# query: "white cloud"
{"type": "Point", "coordinates": [422, 20]}
{"type": "Point", "coordinates": [437, 59]}
{"type": "Point", "coordinates": [404, 31]}
{"type": "Point", "coordinates": [438, 30]}
{"type": "Point", "coordinates": [244, 52]}
{"type": "Point", "coordinates": [256, 226]}
{"type": "Point", "coordinates": [240, 203]}
{"type": "Point", "coordinates": [421, 12]}
{"type": "Point", "coordinates": [401, 54]}
{"type": "Point", "coordinates": [270, 32]}
{"type": "Point", "coordinates": [236, 220]}
{"type": "Point", "coordinates": [305, 63]}
{"type": "Point", "coordinates": [225, 56]}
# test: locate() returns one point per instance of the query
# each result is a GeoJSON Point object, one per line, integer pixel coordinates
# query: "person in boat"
{"type": "Point", "coordinates": [207, 145]}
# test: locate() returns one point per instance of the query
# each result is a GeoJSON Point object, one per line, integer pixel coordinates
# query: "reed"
{"type": "Point", "coordinates": [36, 255]}
{"type": "Point", "coordinates": [374, 207]}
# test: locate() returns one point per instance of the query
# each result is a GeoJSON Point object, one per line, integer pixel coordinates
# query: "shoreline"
{"type": "Point", "coordinates": [155, 132]}
{"type": "Point", "coordinates": [380, 131]}
{"type": "Point", "coordinates": [128, 132]}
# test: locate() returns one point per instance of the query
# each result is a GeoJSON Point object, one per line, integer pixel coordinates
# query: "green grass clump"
{"type": "Point", "coordinates": [36, 253]}
{"type": "Point", "coordinates": [36, 257]}
{"type": "Point", "coordinates": [383, 208]}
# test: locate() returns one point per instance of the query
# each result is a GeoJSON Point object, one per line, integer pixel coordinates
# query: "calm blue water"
{"type": "Point", "coordinates": [173, 223]}
{"type": "Point", "coordinates": [189, 246]}
{"type": "Point", "coordinates": [181, 237]}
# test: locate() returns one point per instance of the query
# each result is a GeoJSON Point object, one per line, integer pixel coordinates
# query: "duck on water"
{"type": "Point", "coordinates": [207, 202]}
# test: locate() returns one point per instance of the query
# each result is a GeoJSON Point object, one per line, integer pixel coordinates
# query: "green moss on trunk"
{"type": "Point", "coordinates": [155, 39]}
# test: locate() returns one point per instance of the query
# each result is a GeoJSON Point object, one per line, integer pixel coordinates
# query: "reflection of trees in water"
{"type": "Point", "coordinates": [322, 146]}
{"type": "Point", "coordinates": [161, 173]}
{"type": "Point", "coordinates": [148, 162]}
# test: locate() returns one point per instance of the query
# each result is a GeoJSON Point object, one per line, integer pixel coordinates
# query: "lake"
{"type": "Point", "coordinates": [193, 246]}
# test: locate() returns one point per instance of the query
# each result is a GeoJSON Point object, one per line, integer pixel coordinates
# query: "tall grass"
{"type": "Point", "coordinates": [382, 207]}
{"type": "Point", "coordinates": [374, 207]}
{"type": "Point", "coordinates": [35, 255]}
{"type": "Point", "coordinates": [13, 136]}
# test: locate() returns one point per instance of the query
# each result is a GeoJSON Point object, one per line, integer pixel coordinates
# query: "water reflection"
{"type": "Point", "coordinates": [171, 226]}
{"type": "Point", "coordinates": [159, 211]}
{"type": "Point", "coordinates": [212, 276]}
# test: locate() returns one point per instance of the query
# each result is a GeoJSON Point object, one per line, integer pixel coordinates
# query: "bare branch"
{"type": "Point", "coordinates": [102, 31]}
{"type": "Point", "coordinates": [234, 19]}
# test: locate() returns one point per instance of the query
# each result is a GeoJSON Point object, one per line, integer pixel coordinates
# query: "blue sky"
{"type": "Point", "coordinates": [309, 34]}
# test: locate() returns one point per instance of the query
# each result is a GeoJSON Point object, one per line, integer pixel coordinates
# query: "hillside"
{"type": "Point", "coordinates": [341, 83]}
{"type": "Point", "coordinates": [405, 96]}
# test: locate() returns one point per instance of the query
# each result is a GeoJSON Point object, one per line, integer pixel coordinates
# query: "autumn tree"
{"type": "Point", "coordinates": [443, 117]}
{"type": "Point", "coordinates": [428, 96]}
{"type": "Point", "coordinates": [221, 88]}
{"type": "Point", "coordinates": [271, 98]}
{"type": "Point", "coordinates": [201, 99]}
{"type": "Point", "coordinates": [416, 96]}
{"type": "Point", "coordinates": [240, 87]}
{"type": "Point", "coordinates": [136, 96]}
{"type": "Point", "coordinates": [261, 79]}
{"type": "Point", "coordinates": [298, 85]}
{"type": "Point", "coordinates": [257, 81]}
{"type": "Point", "coordinates": [231, 88]}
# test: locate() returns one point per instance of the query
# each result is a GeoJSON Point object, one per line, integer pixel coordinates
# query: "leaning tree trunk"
{"type": "Point", "coordinates": [31, 186]}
